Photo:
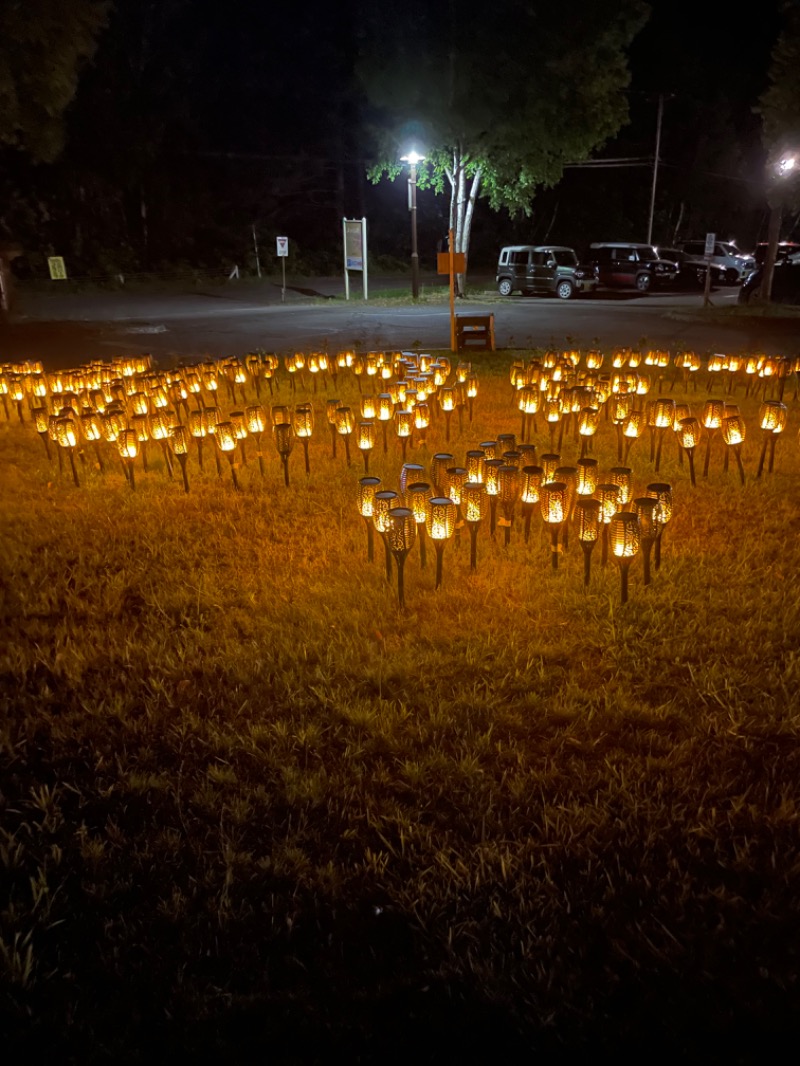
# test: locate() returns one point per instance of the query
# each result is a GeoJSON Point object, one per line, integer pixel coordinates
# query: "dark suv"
{"type": "Point", "coordinates": [543, 268]}
{"type": "Point", "coordinates": [630, 266]}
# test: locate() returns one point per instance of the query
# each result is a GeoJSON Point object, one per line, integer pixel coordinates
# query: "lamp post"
{"type": "Point", "coordinates": [413, 159]}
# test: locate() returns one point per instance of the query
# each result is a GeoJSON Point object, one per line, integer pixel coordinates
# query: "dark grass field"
{"type": "Point", "coordinates": [250, 810]}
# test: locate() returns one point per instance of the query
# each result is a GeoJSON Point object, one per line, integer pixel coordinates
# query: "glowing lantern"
{"type": "Point", "coordinates": [367, 487]}
{"type": "Point", "coordinates": [303, 425]}
{"type": "Point", "coordinates": [67, 437]}
{"type": "Point", "coordinates": [492, 482]}
{"type": "Point", "coordinates": [474, 506]}
{"type": "Point", "coordinates": [772, 416]}
{"type": "Point", "coordinates": [555, 509]}
{"type": "Point", "coordinates": [401, 534]}
{"type": "Point", "coordinates": [284, 442]}
{"type": "Point", "coordinates": [733, 430]}
{"type": "Point", "coordinates": [662, 492]}
{"type": "Point", "coordinates": [689, 435]}
{"type": "Point", "coordinates": [439, 466]}
{"type": "Point", "coordinates": [624, 537]}
{"type": "Point", "coordinates": [648, 511]}
{"type": "Point", "coordinates": [587, 514]}
{"type": "Point", "coordinates": [256, 418]}
{"type": "Point", "coordinates": [128, 446]}
{"type": "Point", "coordinates": [440, 524]}
{"type": "Point", "coordinates": [382, 503]}
{"type": "Point", "coordinates": [416, 497]}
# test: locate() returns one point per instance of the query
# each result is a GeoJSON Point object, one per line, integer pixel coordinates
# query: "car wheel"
{"type": "Point", "coordinates": [505, 287]}
{"type": "Point", "coordinates": [565, 290]}
{"type": "Point", "coordinates": [643, 282]}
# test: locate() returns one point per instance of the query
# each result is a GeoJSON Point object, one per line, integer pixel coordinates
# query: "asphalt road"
{"type": "Point", "coordinates": [63, 329]}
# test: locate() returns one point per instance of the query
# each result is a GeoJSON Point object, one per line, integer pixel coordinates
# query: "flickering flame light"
{"type": "Point", "coordinates": [440, 524]}
{"type": "Point", "coordinates": [401, 534]}
{"type": "Point", "coordinates": [624, 538]}
{"type": "Point", "coordinates": [648, 511]}
{"type": "Point", "coordinates": [555, 508]}
{"type": "Point", "coordinates": [587, 515]}
{"type": "Point", "coordinates": [284, 442]}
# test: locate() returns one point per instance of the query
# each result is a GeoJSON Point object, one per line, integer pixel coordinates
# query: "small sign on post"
{"type": "Point", "coordinates": [282, 252]}
{"type": "Point", "coordinates": [709, 251]}
{"type": "Point", "coordinates": [58, 272]}
{"type": "Point", "coordinates": [354, 238]}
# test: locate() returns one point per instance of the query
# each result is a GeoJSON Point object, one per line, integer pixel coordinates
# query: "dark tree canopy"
{"type": "Point", "coordinates": [43, 45]}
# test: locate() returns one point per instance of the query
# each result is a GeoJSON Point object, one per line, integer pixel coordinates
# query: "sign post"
{"type": "Point", "coordinates": [282, 252]}
{"type": "Point", "coordinates": [709, 251]}
{"type": "Point", "coordinates": [452, 263]}
{"type": "Point", "coordinates": [354, 239]}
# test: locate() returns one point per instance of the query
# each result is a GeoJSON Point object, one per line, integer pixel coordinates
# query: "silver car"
{"type": "Point", "coordinates": [735, 264]}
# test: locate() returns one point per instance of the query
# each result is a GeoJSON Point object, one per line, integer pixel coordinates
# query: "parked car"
{"type": "Point", "coordinates": [691, 274]}
{"type": "Point", "coordinates": [783, 251]}
{"type": "Point", "coordinates": [785, 281]}
{"type": "Point", "coordinates": [631, 266]}
{"type": "Point", "coordinates": [736, 265]}
{"type": "Point", "coordinates": [550, 269]}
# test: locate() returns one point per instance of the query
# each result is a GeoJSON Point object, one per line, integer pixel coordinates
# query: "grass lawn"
{"type": "Point", "coordinates": [246, 801]}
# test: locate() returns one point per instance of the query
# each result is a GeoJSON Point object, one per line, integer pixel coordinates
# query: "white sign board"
{"type": "Point", "coordinates": [710, 239]}
{"type": "Point", "coordinates": [283, 246]}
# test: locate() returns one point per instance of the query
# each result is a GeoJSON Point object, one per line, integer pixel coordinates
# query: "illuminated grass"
{"type": "Point", "coordinates": [245, 797]}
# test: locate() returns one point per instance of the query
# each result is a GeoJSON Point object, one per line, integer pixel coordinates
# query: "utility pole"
{"type": "Point", "coordinates": [655, 168]}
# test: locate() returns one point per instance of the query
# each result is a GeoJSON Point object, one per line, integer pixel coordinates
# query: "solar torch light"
{"type": "Point", "coordinates": [67, 431]}
{"type": "Point", "coordinates": [345, 424]}
{"type": "Point", "coordinates": [141, 426]}
{"type": "Point", "coordinates": [179, 440]}
{"type": "Point", "coordinates": [624, 536]}
{"type": "Point", "coordinates": [531, 478]}
{"type": "Point", "coordinates": [622, 477]}
{"type": "Point", "coordinates": [369, 407]}
{"type": "Point", "coordinates": [402, 534]}
{"type": "Point", "coordinates": [440, 464]}
{"type": "Point", "coordinates": [472, 392]}
{"type": "Point", "coordinates": [631, 431]}
{"type": "Point", "coordinates": [440, 525]}
{"type": "Point", "coordinates": [663, 419]}
{"type": "Point", "coordinates": [128, 446]}
{"type": "Point", "coordinates": [211, 419]}
{"type": "Point", "coordinates": [416, 497]}
{"type": "Point", "coordinates": [40, 418]}
{"type": "Point", "coordinates": [508, 478]}
{"type": "Point", "coordinates": [474, 507]}
{"type": "Point", "coordinates": [569, 476]}
{"type": "Point", "coordinates": [382, 502]}
{"type": "Point", "coordinates": [365, 439]}
{"type": "Point", "coordinates": [550, 462]}
{"type": "Point", "coordinates": [284, 442]}
{"type": "Point", "coordinates": [16, 390]}
{"type": "Point", "coordinates": [588, 423]}
{"type": "Point", "coordinates": [238, 420]}
{"type": "Point", "coordinates": [403, 425]}
{"type": "Point", "coordinates": [662, 492]}
{"type": "Point", "coordinates": [607, 494]}
{"type": "Point", "coordinates": [689, 435]}
{"type": "Point", "coordinates": [587, 515]}
{"type": "Point", "coordinates": [422, 419]}
{"type": "Point", "coordinates": [528, 405]}
{"type": "Point", "coordinates": [367, 487]}
{"type": "Point", "coordinates": [712, 415]}
{"type": "Point", "coordinates": [256, 424]}
{"type": "Point", "coordinates": [409, 473]}
{"type": "Point", "coordinates": [587, 476]}
{"type": "Point", "coordinates": [197, 428]}
{"type": "Point", "coordinates": [772, 416]}
{"type": "Point", "coordinates": [331, 407]}
{"type": "Point", "coordinates": [447, 403]}
{"type": "Point", "coordinates": [648, 511]}
{"type": "Point", "coordinates": [4, 391]}
{"type": "Point", "coordinates": [554, 511]}
{"type": "Point", "coordinates": [385, 415]}
{"type": "Point", "coordinates": [455, 479]}
{"type": "Point", "coordinates": [225, 437]}
{"type": "Point", "coordinates": [492, 483]}
{"type": "Point", "coordinates": [733, 430]}
{"type": "Point", "coordinates": [303, 425]}
{"type": "Point", "coordinates": [621, 407]}
{"type": "Point", "coordinates": [476, 465]}
{"type": "Point", "coordinates": [159, 431]}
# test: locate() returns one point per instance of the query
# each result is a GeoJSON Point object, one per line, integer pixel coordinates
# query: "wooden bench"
{"type": "Point", "coordinates": [475, 329]}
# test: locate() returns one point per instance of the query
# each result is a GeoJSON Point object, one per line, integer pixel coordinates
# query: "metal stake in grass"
{"type": "Point", "coordinates": [440, 524]}
{"type": "Point", "coordinates": [607, 496]}
{"type": "Point", "coordinates": [689, 434]}
{"type": "Point", "coordinates": [226, 442]}
{"type": "Point", "coordinates": [531, 478]}
{"type": "Point", "coordinates": [662, 492]}
{"type": "Point", "coordinates": [367, 487]}
{"type": "Point", "coordinates": [772, 416]}
{"type": "Point", "coordinates": [128, 445]}
{"type": "Point", "coordinates": [303, 424]}
{"type": "Point", "coordinates": [179, 439]}
{"type": "Point", "coordinates": [402, 534]}
{"type": "Point", "coordinates": [624, 536]}
{"type": "Point", "coordinates": [382, 503]}
{"type": "Point", "coordinates": [68, 438]}
{"type": "Point", "coordinates": [733, 430]}
{"type": "Point", "coordinates": [554, 512]}
{"type": "Point", "coordinates": [587, 515]}
{"type": "Point", "coordinates": [365, 439]}
{"type": "Point", "coordinates": [648, 511]}
{"type": "Point", "coordinates": [284, 442]}
{"type": "Point", "coordinates": [416, 498]}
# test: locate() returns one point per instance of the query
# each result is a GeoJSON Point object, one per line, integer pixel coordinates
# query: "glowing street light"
{"type": "Point", "coordinates": [413, 159]}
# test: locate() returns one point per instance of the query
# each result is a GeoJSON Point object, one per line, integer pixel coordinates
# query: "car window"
{"type": "Point", "coordinates": [645, 253]}
{"type": "Point", "coordinates": [694, 248]}
{"type": "Point", "coordinates": [565, 257]}
{"type": "Point", "coordinates": [519, 258]}
{"type": "Point", "coordinates": [539, 258]}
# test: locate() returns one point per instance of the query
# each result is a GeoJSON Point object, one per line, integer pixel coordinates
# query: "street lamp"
{"type": "Point", "coordinates": [413, 159]}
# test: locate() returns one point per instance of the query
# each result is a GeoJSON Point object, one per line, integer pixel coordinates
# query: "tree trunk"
{"type": "Point", "coordinates": [463, 195]}
{"type": "Point", "coordinates": [773, 236]}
